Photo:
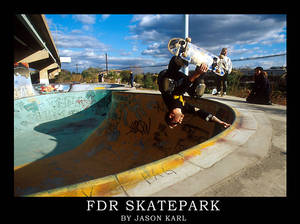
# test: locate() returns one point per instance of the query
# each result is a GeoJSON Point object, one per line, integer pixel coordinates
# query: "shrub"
{"type": "Point", "coordinates": [233, 80]}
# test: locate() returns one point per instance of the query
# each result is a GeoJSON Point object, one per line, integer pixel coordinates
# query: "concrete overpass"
{"type": "Point", "coordinates": [34, 45]}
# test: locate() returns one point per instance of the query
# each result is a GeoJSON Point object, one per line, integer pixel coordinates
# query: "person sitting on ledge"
{"type": "Point", "coordinates": [261, 89]}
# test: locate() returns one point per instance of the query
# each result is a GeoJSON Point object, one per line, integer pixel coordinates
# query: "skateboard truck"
{"type": "Point", "coordinates": [187, 40]}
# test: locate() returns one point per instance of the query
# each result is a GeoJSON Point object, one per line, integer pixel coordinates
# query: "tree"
{"type": "Point", "coordinates": [150, 81]}
{"type": "Point", "coordinates": [125, 76]}
{"type": "Point", "coordinates": [139, 78]}
{"type": "Point", "coordinates": [90, 74]}
{"type": "Point", "coordinates": [63, 76]}
{"type": "Point", "coordinates": [234, 80]}
{"type": "Point", "coordinates": [112, 76]}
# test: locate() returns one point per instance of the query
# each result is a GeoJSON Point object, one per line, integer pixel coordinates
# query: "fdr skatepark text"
{"type": "Point", "coordinates": [177, 207]}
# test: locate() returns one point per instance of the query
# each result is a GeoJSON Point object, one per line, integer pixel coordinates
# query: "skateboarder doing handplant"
{"type": "Point", "coordinates": [173, 84]}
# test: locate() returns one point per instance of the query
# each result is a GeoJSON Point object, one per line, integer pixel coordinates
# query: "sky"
{"type": "Point", "coordinates": [141, 40]}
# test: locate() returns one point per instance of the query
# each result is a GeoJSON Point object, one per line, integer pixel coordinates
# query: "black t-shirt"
{"type": "Point", "coordinates": [177, 101]}
{"type": "Point", "coordinates": [261, 85]}
{"type": "Point", "coordinates": [175, 98]}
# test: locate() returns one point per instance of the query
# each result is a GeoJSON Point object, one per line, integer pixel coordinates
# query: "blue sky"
{"type": "Point", "coordinates": [141, 40]}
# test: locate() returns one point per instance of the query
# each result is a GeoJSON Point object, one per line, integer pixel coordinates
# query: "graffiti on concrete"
{"type": "Point", "coordinates": [152, 178]}
{"type": "Point", "coordinates": [140, 126]}
{"type": "Point", "coordinates": [22, 81]}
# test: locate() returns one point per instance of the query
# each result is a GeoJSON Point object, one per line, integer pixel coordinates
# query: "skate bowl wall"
{"type": "Point", "coordinates": [131, 136]}
{"type": "Point", "coordinates": [94, 86]}
{"type": "Point", "coordinates": [47, 125]}
{"type": "Point", "coordinates": [67, 87]}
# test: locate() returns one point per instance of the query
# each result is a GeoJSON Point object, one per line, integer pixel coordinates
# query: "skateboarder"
{"type": "Point", "coordinates": [222, 80]}
{"type": "Point", "coordinates": [173, 84]}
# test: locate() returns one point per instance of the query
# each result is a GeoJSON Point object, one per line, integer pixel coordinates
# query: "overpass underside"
{"type": "Point", "coordinates": [34, 47]}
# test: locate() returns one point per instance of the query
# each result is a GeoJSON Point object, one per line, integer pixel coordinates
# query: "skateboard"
{"type": "Point", "coordinates": [195, 55]}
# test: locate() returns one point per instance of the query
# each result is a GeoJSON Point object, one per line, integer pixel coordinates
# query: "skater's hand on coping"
{"type": "Point", "coordinates": [224, 124]}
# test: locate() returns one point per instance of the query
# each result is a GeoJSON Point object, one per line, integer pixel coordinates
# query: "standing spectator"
{"type": "Point", "coordinates": [227, 66]}
{"type": "Point", "coordinates": [131, 79]}
{"type": "Point", "coordinates": [261, 89]}
{"type": "Point", "coordinates": [100, 77]}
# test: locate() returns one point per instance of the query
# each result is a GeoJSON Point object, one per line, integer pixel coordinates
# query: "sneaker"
{"type": "Point", "coordinates": [214, 92]}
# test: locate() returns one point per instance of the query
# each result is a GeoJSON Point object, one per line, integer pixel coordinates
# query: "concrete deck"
{"type": "Point", "coordinates": [255, 168]}
{"type": "Point", "coordinates": [174, 168]}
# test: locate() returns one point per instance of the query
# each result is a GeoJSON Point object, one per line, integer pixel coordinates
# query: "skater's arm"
{"type": "Point", "coordinates": [217, 120]}
{"type": "Point", "coordinates": [185, 82]}
{"type": "Point", "coordinates": [188, 108]}
{"type": "Point", "coordinates": [207, 116]}
{"type": "Point", "coordinates": [198, 71]}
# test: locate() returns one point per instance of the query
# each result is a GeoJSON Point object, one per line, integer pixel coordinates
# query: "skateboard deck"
{"type": "Point", "coordinates": [195, 55]}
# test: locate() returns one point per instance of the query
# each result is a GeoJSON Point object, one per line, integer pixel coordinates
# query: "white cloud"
{"type": "Point", "coordinates": [243, 35]}
{"type": "Point", "coordinates": [76, 31]}
{"type": "Point", "coordinates": [78, 41]}
{"type": "Point", "coordinates": [156, 50]}
{"type": "Point", "coordinates": [149, 20]}
{"type": "Point", "coordinates": [239, 51]}
{"type": "Point", "coordinates": [134, 48]}
{"type": "Point", "coordinates": [125, 53]}
{"type": "Point", "coordinates": [87, 57]}
{"type": "Point", "coordinates": [105, 16]}
{"type": "Point", "coordinates": [85, 19]}
{"type": "Point", "coordinates": [212, 32]}
{"type": "Point", "coordinates": [67, 53]}
{"type": "Point", "coordinates": [86, 27]}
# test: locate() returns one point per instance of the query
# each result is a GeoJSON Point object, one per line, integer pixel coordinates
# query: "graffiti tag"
{"type": "Point", "coordinates": [155, 178]}
{"type": "Point", "coordinates": [139, 126]}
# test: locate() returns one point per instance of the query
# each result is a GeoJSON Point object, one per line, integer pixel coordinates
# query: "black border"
{"type": "Point", "coordinates": [234, 208]}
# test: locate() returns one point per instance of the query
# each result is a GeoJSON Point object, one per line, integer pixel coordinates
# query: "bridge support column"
{"type": "Point", "coordinates": [44, 78]}
{"type": "Point", "coordinates": [54, 73]}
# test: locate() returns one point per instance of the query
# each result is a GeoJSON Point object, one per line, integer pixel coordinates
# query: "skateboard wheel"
{"type": "Point", "coordinates": [182, 43]}
{"type": "Point", "coordinates": [188, 39]}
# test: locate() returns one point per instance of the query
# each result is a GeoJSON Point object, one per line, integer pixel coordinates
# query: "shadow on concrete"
{"type": "Point", "coordinates": [71, 131]}
{"type": "Point", "coordinates": [68, 133]}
